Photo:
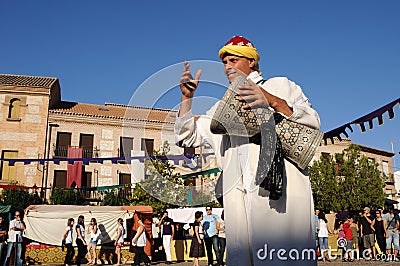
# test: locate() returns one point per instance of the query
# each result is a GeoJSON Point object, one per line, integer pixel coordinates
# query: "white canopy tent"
{"type": "Point", "coordinates": [186, 215]}
{"type": "Point", "coordinates": [47, 223]}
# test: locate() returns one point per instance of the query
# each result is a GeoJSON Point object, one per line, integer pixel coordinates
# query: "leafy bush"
{"type": "Point", "coordinates": [112, 199]}
{"type": "Point", "coordinates": [19, 198]}
{"type": "Point", "coordinates": [61, 196]}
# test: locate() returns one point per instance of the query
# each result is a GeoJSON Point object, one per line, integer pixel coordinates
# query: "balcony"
{"type": "Point", "coordinates": [94, 194]}
{"type": "Point", "coordinates": [87, 152]}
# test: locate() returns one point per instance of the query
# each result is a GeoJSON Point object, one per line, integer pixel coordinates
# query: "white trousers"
{"type": "Point", "coordinates": [167, 246]}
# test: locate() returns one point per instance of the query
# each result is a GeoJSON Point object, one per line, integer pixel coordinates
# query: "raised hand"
{"type": "Point", "coordinates": [187, 84]}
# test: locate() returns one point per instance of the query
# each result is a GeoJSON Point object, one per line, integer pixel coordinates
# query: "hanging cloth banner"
{"type": "Point", "coordinates": [74, 171]}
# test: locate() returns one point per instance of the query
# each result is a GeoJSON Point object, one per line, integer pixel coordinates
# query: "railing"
{"type": "Point", "coordinates": [60, 151]}
{"type": "Point", "coordinates": [96, 194]}
{"type": "Point", "coordinates": [87, 152]}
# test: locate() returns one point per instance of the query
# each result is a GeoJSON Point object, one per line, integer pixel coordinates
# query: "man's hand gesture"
{"type": "Point", "coordinates": [187, 84]}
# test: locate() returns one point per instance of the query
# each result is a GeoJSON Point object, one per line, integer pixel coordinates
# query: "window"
{"type": "Point", "coordinates": [187, 150]}
{"type": "Point", "coordinates": [124, 179]}
{"type": "Point", "coordinates": [87, 179]}
{"type": "Point", "coordinates": [86, 142]}
{"type": "Point", "coordinates": [385, 168]}
{"type": "Point", "coordinates": [60, 179]}
{"type": "Point", "coordinates": [148, 146]}
{"type": "Point", "coordinates": [62, 143]}
{"type": "Point", "coordinates": [14, 109]}
{"type": "Point", "coordinates": [8, 172]}
{"type": "Point", "coordinates": [125, 146]}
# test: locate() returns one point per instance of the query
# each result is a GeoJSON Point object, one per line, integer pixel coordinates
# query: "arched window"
{"type": "Point", "coordinates": [14, 109]}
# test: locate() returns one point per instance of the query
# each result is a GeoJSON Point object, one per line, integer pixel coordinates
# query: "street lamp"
{"type": "Point", "coordinates": [47, 155]}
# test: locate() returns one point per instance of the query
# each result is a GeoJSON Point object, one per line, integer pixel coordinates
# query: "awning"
{"type": "Point", "coordinates": [47, 223]}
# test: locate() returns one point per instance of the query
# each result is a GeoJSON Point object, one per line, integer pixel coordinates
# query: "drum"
{"type": "Point", "coordinates": [299, 142]}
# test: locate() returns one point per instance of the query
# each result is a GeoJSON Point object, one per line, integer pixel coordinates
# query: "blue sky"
{"type": "Point", "coordinates": [344, 54]}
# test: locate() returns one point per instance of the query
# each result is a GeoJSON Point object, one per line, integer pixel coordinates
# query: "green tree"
{"type": "Point", "coordinates": [346, 181]}
{"type": "Point", "coordinates": [162, 181]}
{"type": "Point", "coordinates": [163, 188]}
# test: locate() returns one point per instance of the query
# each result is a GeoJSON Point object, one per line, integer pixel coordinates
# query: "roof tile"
{"type": "Point", "coordinates": [115, 111]}
{"type": "Point", "coordinates": [27, 81]}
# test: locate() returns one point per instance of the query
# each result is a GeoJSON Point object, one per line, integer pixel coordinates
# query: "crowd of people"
{"type": "Point", "coordinates": [89, 249]}
{"type": "Point", "coordinates": [364, 235]}
{"type": "Point", "coordinates": [207, 233]}
{"type": "Point", "coordinates": [208, 236]}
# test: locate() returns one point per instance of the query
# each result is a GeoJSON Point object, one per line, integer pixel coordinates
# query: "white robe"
{"type": "Point", "coordinates": [260, 231]}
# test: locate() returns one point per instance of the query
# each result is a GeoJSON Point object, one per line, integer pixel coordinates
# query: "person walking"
{"type": "Point", "coordinates": [139, 240]}
{"type": "Point", "coordinates": [167, 234]}
{"type": "Point", "coordinates": [316, 212]}
{"type": "Point", "coordinates": [348, 235]}
{"type": "Point", "coordinates": [209, 224]}
{"type": "Point", "coordinates": [354, 230]}
{"type": "Point", "coordinates": [17, 226]}
{"type": "Point", "coordinates": [379, 226]}
{"type": "Point", "coordinates": [80, 240]}
{"type": "Point", "coordinates": [392, 229]}
{"type": "Point", "coordinates": [197, 245]}
{"type": "Point", "coordinates": [221, 239]}
{"type": "Point", "coordinates": [323, 236]}
{"type": "Point", "coordinates": [93, 231]}
{"type": "Point", "coordinates": [367, 232]}
{"type": "Point", "coordinates": [67, 241]}
{"type": "Point", "coordinates": [119, 242]}
{"type": "Point", "coordinates": [258, 205]}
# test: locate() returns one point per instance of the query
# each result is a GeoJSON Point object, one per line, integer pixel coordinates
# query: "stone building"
{"type": "Point", "coordinates": [24, 107]}
{"type": "Point", "coordinates": [37, 124]}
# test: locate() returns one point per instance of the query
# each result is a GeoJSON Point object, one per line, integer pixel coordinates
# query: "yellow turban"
{"type": "Point", "coordinates": [240, 46]}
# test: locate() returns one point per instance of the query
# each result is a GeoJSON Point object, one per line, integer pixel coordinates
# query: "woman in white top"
{"type": "Point", "coordinates": [139, 240]}
{"type": "Point", "coordinates": [119, 242]}
{"type": "Point", "coordinates": [323, 235]}
{"type": "Point", "coordinates": [67, 241]}
{"type": "Point", "coordinates": [93, 231]}
{"type": "Point", "coordinates": [221, 239]}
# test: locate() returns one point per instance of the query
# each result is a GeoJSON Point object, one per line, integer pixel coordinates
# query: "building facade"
{"type": "Point", "coordinates": [37, 124]}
